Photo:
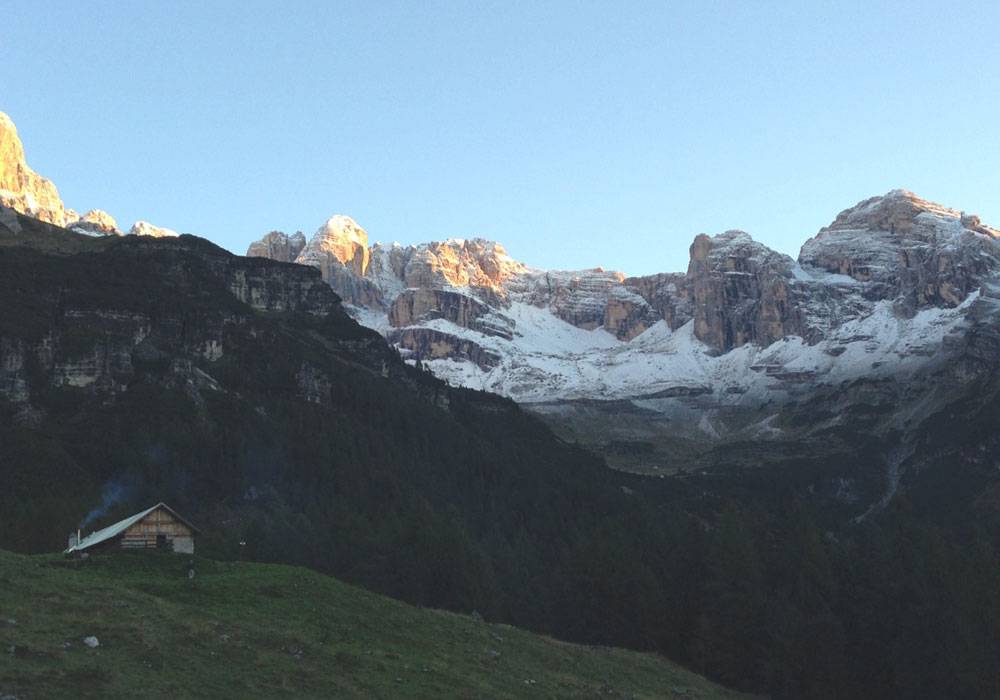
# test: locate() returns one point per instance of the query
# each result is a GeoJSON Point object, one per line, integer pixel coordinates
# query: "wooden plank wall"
{"type": "Point", "coordinates": [142, 535]}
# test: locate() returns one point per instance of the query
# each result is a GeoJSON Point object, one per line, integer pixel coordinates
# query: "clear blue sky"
{"type": "Point", "coordinates": [578, 134]}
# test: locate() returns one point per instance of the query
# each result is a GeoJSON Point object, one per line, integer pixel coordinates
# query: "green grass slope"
{"type": "Point", "coordinates": [254, 630]}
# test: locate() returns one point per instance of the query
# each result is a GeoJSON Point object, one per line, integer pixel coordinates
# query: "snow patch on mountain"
{"type": "Point", "coordinates": [549, 359]}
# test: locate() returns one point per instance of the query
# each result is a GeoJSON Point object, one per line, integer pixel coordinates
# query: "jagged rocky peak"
{"type": "Point", "coordinates": [905, 248]}
{"type": "Point", "coordinates": [144, 228]}
{"type": "Point", "coordinates": [278, 245]}
{"type": "Point", "coordinates": [741, 292]}
{"type": "Point", "coordinates": [459, 262]}
{"type": "Point", "coordinates": [95, 222]}
{"type": "Point", "coordinates": [339, 242]}
{"type": "Point", "coordinates": [21, 188]}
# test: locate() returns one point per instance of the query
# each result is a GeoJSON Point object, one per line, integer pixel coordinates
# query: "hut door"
{"type": "Point", "coordinates": [161, 541]}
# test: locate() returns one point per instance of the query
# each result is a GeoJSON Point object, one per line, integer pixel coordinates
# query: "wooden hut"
{"type": "Point", "coordinates": [159, 527]}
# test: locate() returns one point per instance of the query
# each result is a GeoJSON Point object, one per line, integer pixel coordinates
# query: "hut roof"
{"type": "Point", "coordinates": [121, 526]}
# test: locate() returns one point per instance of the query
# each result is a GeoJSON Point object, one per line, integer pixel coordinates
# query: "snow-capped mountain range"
{"type": "Point", "coordinates": [873, 293]}
{"type": "Point", "coordinates": [887, 324]}
{"type": "Point", "coordinates": [721, 352]}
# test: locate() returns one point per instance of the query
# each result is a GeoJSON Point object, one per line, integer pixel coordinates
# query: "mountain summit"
{"type": "Point", "coordinates": [21, 188]}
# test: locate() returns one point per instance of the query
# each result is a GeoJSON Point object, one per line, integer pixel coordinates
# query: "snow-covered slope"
{"type": "Point", "coordinates": [550, 360]}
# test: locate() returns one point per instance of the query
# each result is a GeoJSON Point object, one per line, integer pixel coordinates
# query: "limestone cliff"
{"type": "Point", "coordinates": [740, 290]}
{"type": "Point", "coordinates": [278, 246]}
{"type": "Point", "coordinates": [21, 188]}
{"type": "Point", "coordinates": [338, 242]}
{"type": "Point", "coordinates": [189, 300]}
{"type": "Point", "coordinates": [416, 306]}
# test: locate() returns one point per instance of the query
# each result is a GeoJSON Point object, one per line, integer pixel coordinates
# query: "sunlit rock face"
{"type": "Point", "coordinates": [278, 246]}
{"type": "Point", "coordinates": [459, 263]}
{"type": "Point", "coordinates": [144, 228]}
{"type": "Point", "coordinates": [27, 192]}
{"type": "Point", "coordinates": [338, 242]}
{"type": "Point", "coordinates": [21, 188]}
{"type": "Point", "coordinates": [95, 223]}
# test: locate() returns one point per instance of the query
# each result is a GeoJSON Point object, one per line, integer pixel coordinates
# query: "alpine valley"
{"type": "Point", "coordinates": [804, 492]}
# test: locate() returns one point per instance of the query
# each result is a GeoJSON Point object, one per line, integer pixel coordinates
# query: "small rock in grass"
{"type": "Point", "coordinates": [91, 642]}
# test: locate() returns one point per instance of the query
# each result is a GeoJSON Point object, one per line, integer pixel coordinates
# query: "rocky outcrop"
{"type": "Point", "coordinates": [415, 306]}
{"type": "Point", "coordinates": [144, 228]}
{"type": "Point", "coordinates": [741, 292]}
{"type": "Point", "coordinates": [95, 223]}
{"type": "Point", "coordinates": [577, 297]}
{"type": "Point", "coordinates": [278, 246]}
{"type": "Point", "coordinates": [21, 188]}
{"type": "Point", "coordinates": [354, 290]}
{"type": "Point", "coordinates": [268, 288]}
{"type": "Point", "coordinates": [627, 314]}
{"type": "Point", "coordinates": [338, 250]}
{"type": "Point", "coordinates": [459, 263]}
{"type": "Point", "coordinates": [428, 344]}
{"type": "Point", "coordinates": [668, 293]}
